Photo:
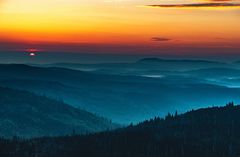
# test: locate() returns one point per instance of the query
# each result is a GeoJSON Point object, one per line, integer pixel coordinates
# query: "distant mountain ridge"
{"type": "Point", "coordinates": [25, 114]}
{"type": "Point", "coordinates": [165, 64]}
{"type": "Point", "coordinates": [155, 60]}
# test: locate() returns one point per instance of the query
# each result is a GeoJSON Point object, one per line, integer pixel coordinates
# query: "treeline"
{"type": "Point", "coordinates": [211, 132]}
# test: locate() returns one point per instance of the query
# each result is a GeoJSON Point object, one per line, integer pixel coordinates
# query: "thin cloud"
{"type": "Point", "coordinates": [197, 5]}
{"type": "Point", "coordinates": [219, 0]}
{"type": "Point", "coordinates": [160, 39]}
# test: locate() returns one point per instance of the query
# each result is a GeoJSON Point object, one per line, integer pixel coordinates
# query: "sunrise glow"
{"type": "Point", "coordinates": [202, 23]}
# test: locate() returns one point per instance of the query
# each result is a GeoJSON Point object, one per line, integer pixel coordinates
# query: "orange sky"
{"type": "Point", "coordinates": [119, 22]}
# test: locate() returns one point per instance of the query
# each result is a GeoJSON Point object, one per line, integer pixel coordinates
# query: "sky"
{"type": "Point", "coordinates": [154, 27]}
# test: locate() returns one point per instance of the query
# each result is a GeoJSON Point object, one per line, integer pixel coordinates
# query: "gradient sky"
{"type": "Point", "coordinates": [147, 26]}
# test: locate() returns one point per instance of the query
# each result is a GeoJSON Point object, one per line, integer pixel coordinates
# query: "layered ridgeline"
{"type": "Point", "coordinates": [143, 65]}
{"type": "Point", "coordinates": [122, 98]}
{"type": "Point", "coordinates": [27, 115]}
{"type": "Point", "coordinates": [210, 132]}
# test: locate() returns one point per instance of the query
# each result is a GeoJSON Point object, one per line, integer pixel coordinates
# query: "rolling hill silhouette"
{"type": "Point", "coordinates": [25, 114]}
{"type": "Point", "coordinates": [124, 99]}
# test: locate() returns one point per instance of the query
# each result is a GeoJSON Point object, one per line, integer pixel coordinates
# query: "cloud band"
{"type": "Point", "coordinates": [196, 5]}
{"type": "Point", "coordinates": [159, 39]}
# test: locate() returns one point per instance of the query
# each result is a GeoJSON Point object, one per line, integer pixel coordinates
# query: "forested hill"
{"type": "Point", "coordinates": [210, 132]}
{"type": "Point", "coordinates": [25, 114]}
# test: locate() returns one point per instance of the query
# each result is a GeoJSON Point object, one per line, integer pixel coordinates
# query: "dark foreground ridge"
{"type": "Point", "coordinates": [210, 132]}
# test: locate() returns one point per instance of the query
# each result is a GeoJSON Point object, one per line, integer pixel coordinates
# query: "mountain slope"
{"type": "Point", "coordinates": [124, 99]}
{"type": "Point", "coordinates": [28, 115]}
{"type": "Point", "coordinates": [210, 132]}
{"type": "Point", "coordinates": [215, 72]}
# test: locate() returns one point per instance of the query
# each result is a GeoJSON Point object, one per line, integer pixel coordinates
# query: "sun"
{"type": "Point", "coordinates": [32, 52]}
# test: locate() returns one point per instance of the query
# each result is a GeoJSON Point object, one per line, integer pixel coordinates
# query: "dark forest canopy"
{"type": "Point", "coordinates": [210, 132]}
